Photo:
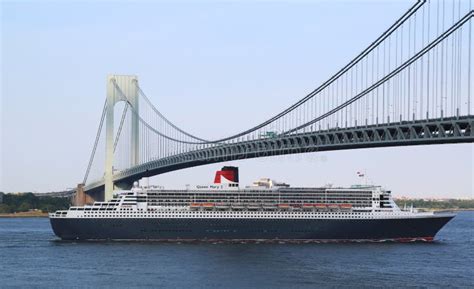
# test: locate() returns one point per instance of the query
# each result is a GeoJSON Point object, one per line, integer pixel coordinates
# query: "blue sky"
{"type": "Point", "coordinates": [199, 62]}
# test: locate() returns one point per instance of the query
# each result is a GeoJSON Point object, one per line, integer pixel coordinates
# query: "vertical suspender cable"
{"type": "Point", "coordinates": [469, 64]}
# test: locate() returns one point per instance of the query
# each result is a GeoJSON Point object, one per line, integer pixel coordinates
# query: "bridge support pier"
{"type": "Point", "coordinates": [82, 198]}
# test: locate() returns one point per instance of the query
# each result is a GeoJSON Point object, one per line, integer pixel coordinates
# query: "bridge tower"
{"type": "Point", "coordinates": [119, 88]}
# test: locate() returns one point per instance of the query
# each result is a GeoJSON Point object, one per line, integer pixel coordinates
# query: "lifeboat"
{"type": "Point", "coordinates": [283, 207]}
{"type": "Point", "coordinates": [194, 206]}
{"type": "Point", "coordinates": [208, 206]}
{"type": "Point", "coordinates": [321, 207]}
{"type": "Point", "coordinates": [346, 207]}
{"type": "Point", "coordinates": [307, 207]}
{"type": "Point", "coordinates": [296, 207]}
{"type": "Point", "coordinates": [333, 207]}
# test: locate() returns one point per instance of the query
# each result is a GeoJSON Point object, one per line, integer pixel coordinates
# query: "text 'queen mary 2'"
{"type": "Point", "coordinates": [265, 211]}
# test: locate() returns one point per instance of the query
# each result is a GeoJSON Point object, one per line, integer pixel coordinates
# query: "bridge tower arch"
{"type": "Point", "coordinates": [120, 88]}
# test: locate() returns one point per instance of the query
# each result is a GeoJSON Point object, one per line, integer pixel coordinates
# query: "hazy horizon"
{"type": "Point", "coordinates": [199, 63]}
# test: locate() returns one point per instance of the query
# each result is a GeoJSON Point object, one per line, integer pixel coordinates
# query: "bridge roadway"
{"type": "Point", "coordinates": [423, 132]}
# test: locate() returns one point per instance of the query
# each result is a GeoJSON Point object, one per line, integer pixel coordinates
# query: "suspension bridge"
{"type": "Point", "coordinates": [411, 86]}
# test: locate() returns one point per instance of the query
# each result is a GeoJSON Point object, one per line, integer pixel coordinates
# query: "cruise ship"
{"type": "Point", "coordinates": [266, 211]}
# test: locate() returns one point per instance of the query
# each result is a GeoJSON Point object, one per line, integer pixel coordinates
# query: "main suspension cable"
{"type": "Point", "coordinates": [422, 52]}
{"type": "Point", "coordinates": [97, 137]}
{"type": "Point", "coordinates": [343, 70]}
{"type": "Point", "coordinates": [164, 118]}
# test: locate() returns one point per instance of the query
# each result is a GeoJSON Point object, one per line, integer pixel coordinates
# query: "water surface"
{"type": "Point", "coordinates": [32, 257]}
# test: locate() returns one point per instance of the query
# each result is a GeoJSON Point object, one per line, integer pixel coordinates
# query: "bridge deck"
{"type": "Point", "coordinates": [423, 132]}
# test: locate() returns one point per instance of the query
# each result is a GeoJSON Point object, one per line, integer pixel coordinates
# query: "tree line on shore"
{"type": "Point", "coordinates": [13, 203]}
{"type": "Point", "coordinates": [437, 204]}
{"type": "Point", "coordinates": [28, 201]}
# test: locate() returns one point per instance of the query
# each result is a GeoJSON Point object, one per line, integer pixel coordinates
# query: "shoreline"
{"type": "Point", "coordinates": [33, 214]}
{"type": "Point", "coordinates": [440, 210]}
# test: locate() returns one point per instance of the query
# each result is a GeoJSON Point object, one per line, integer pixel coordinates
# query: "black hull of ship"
{"type": "Point", "coordinates": [215, 229]}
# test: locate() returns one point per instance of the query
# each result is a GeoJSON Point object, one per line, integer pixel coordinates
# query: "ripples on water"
{"type": "Point", "coordinates": [31, 256]}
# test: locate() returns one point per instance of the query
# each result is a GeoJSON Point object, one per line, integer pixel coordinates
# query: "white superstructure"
{"type": "Point", "coordinates": [228, 201]}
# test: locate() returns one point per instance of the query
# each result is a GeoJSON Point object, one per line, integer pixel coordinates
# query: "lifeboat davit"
{"type": "Point", "coordinates": [237, 206]}
{"type": "Point", "coordinates": [222, 206]}
{"type": "Point", "coordinates": [269, 206]}
{"type": "Point", "coordinates": [253, 207]}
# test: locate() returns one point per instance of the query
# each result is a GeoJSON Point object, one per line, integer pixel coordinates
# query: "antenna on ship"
{"type": "Point", "coordinates": [366, 179]}
{"type": "Point", "coordinates": [362, 174]}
